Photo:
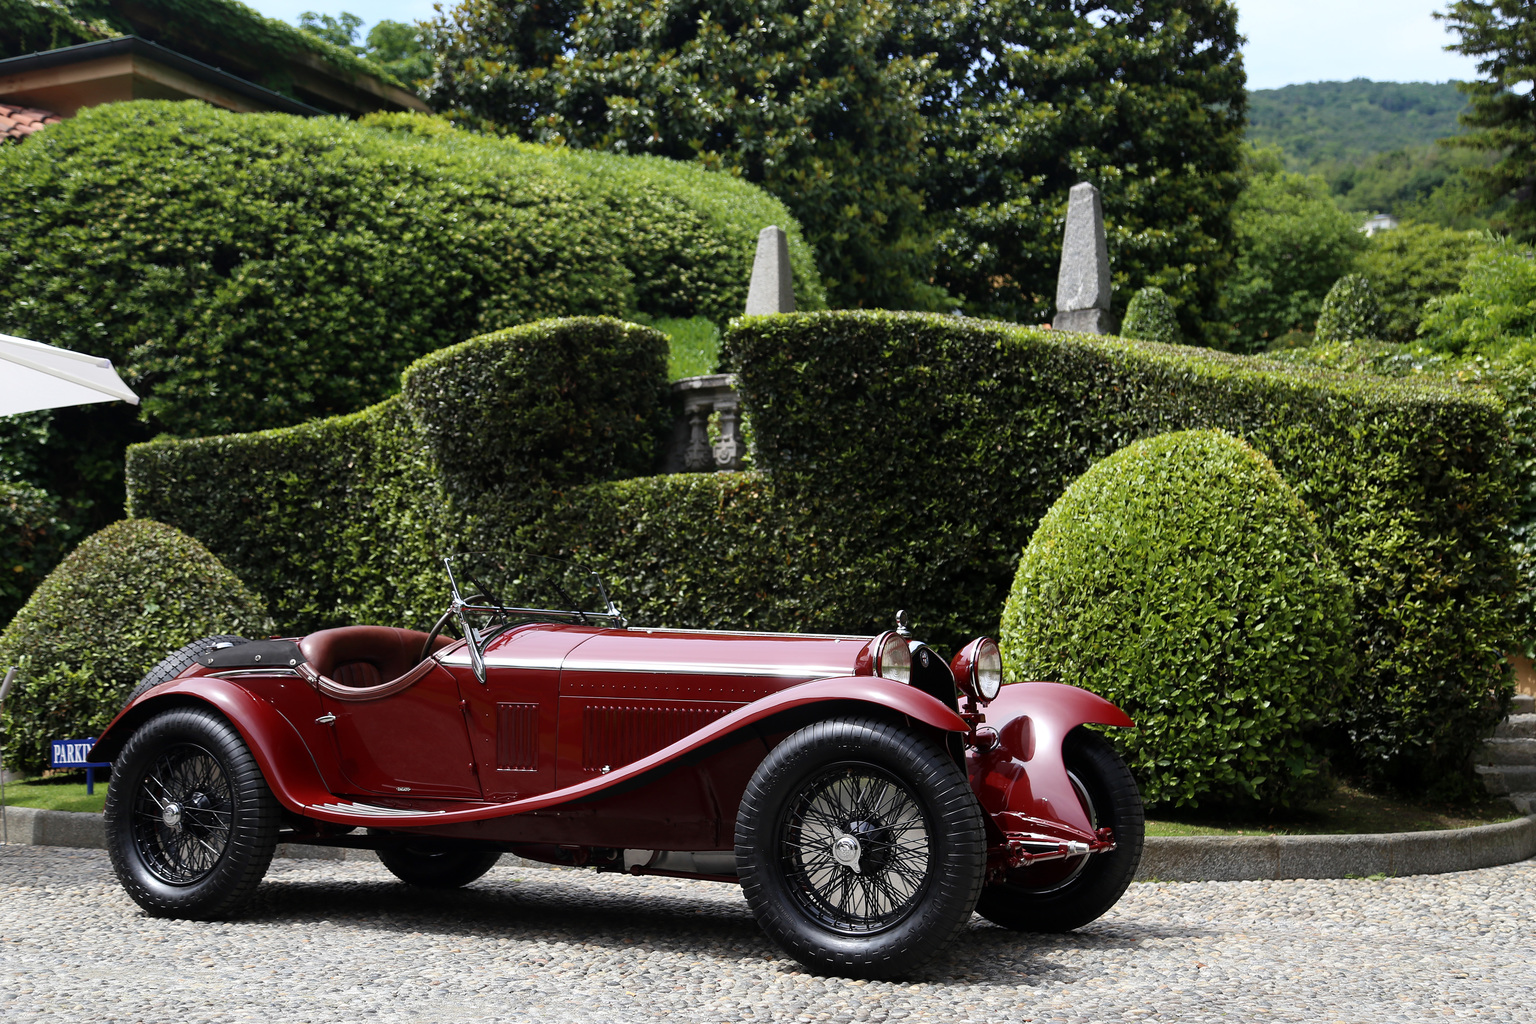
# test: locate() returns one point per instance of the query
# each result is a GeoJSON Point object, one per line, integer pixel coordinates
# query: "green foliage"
{"type": "Point", "coordinates": [1493, 313]}
{"type": "Point", "coordinates": [33, 537]}
{"type": "Point", "coordinates": [556, 402]}
{"type": "Point", "coordinates": [1427, 183]}
{"type": "Point", "coordinates": [1346, 122]}
{"type": "Point", "coordinates": [694, 349]}
{"type": "Point", "coordinates": [802, 96]}
{"type": "Point", "coordinates": [1410, 265]}
{"type": "Point", "coordinates": [1182, 579]}
{"type": "Point", "coordinates": [906, 461]}
{"type": "Point", "coordinates": [1150, 317]}
{"type": "Point", "coordinates": [1145, 100]}
{"type": "Point", "coordinates": [396, 47]}
{"type": "Point", "coordinates": [312, 259]}
{"type": "Point", "coordinates": [121, 600]}
{"type": "Point", "coordinates": [1502, 106]}
{"type": "Point", "coordinates": [1350, 311]}
{"type": "Point", "coordinates": [1292, 244]}
{"type": "Point", "coordinates": [927, 145]}
{"type": "Point", "coordinates": [27, 26]}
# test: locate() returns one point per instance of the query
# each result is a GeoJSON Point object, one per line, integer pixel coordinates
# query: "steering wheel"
{"type": "Point", "coordinates": [440, 625]}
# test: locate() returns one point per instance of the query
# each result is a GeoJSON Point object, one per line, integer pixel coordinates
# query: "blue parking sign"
{"type": "Point", "coordinates": [72, 753]}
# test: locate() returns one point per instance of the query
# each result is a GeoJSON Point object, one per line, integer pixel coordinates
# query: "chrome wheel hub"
{"type": "Point", "coordinates": [171, 815]}
{"type": "Point", "coordinates": [847, 851]}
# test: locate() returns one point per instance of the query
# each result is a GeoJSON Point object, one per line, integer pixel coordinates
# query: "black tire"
{"type": "Point", "coordinates": [1057, 896]}
{"type": "Point", "coordinates": [191, 824]}
{"type": "Point", "coordinates": [860, 847]}
{"type": "Point", "coordinates": [177, 662]}
{"type": "Point", "coordinates": [438, 863]}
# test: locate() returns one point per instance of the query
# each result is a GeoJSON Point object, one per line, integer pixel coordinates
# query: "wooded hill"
{"type": "Point", "coordinates": [1346, 122]}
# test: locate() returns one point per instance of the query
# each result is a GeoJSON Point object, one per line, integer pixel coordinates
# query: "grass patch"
{"type": "Point", "coordinates": [1347, 811]}
{"type": "Point", "coordinates": [695, 345]}
{"type": "Point", "coordinates": [57, 793]}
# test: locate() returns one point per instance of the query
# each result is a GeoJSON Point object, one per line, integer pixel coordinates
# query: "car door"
{"type": "Point", "coordinates": [513, 714]}
{"type": "Point", "coordinates": [410, 743]}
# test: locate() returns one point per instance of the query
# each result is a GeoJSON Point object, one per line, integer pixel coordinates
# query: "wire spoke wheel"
{"type": "Point", "coordinates": [191, 824]}
{"type": "Point", "coordinates": [182, 815]}
{"type": "Point", "coordinates": [856, 849]}
{"type": "Point", "coordinates": [860, 846]}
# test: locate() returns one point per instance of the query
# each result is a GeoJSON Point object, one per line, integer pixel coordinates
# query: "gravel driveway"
{"type": "Point", "coordinates": [342, 941]}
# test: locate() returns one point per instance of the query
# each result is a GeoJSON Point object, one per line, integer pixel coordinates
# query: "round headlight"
{"type": "Point", "coordinates": [988, 669]}
{"type": "Point", "coordinates": [893, 659]}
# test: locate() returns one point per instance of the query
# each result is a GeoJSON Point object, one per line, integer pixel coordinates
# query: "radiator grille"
{"type": "Point", "coordinates": [613, 735]}
{"type": "Point", "coordinates": [517, 737]}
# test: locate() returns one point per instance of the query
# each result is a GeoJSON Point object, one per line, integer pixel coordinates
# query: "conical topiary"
{"type": "Point", "coordinates": [1149, 317]}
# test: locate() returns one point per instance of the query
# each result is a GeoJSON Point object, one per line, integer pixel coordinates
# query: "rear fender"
{"type": "Point", "coordinates": [285, 761]}
{"type": "Point", "coordinates": [1023, 776]}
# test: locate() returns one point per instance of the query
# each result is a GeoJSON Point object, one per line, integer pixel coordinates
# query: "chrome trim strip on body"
{"type": "Point", "coordinates": [370, 810]}
{"type": "Point", "coordinates": [242, 673]}
{"type": "Point", "coordinates": [806, 672]}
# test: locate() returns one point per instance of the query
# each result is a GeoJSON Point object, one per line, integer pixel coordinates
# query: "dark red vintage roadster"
{"type": "Point", "coordinates": [866, 794]}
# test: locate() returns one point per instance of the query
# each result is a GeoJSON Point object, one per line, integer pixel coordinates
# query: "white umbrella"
{"type": "Point", "coordinates": [38, 376]}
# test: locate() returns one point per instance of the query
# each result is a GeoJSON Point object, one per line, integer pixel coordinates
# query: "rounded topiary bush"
{"type": "Point", "coordinates": [121, 600]}
{"type": "Point", "coordinates": [1150, 317]}
{"type": "Point", "coordinates": [1351, 311]}
{"type": "Point", "coordinates": [1184, 580]}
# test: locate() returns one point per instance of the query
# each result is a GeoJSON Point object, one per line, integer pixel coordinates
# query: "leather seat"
{"type": "Point", "coordinates": [365, 656]}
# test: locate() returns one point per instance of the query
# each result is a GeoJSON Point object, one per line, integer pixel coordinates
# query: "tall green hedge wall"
{"type": "Point", "coordinates": [905, 459]}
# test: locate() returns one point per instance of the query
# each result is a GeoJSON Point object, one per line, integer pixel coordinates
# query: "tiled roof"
{"type": "Point", "coordinates": [16, 123]}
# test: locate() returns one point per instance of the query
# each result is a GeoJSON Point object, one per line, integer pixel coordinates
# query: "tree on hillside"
{"type": "Point", "coordinates": [1502, 114]}
{"type": "Point", "coordinates": [926, 145]}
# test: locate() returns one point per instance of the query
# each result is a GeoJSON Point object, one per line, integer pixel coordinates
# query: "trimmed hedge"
{"type": "Point", "coordinates": [933, 445]}
{"type": "Point", "coordinates": [121, 600]}
{"type": "Point", "coordinates": [1150, 317]}
{"type": "Point", "coordinates": [1182, 579]}
{"type": "Point", "coordinates": [344, 520]}
{"type": "Point", "coordinates": [1351, 311]}
{"type": "Point", "coordinates": [907, 460]}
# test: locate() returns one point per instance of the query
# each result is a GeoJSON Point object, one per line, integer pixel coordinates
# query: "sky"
{"type": "Point", "coordinates": [1289, 41]}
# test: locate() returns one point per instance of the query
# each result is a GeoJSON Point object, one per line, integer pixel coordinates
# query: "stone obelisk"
{"type": "Point", "coordinates": [773, 283]}
{"type": "Point", "coordinates": [1082, 286]}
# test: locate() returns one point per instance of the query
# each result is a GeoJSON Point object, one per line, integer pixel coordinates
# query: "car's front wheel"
{"type": "Point", "coordinates": [191, 825]}
{"type": "Point", "coordinates": [1057, 896]}
{"type": "Point", "coordinates": [860, 847]}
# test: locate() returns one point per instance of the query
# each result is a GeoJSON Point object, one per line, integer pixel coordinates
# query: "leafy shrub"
{"type": "Point", "coordinates": [103, 618]}
{"type": "Point", "coordinates": [33, 536]}
{"type": "Point", "coordinates": [1350, 311]}
{"type": "Point", "coordinates": [313, 259]}
{"type": "Point", "coordinates": [1184, 580]}
{"type": "Point", "coordinates": [1150, 317]}
{"type": "Point", "coordinates": [907, 459]}
{"type": "Point", "coordinates": [1493, 312]}
{"type": "Point", "coordinates": [1410, 265]}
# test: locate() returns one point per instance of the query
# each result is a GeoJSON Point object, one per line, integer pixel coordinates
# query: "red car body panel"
{"type": "Point", "coordinates": [594, 736]}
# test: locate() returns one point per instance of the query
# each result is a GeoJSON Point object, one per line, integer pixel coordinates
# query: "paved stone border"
{"type": "Point", "coordinates": [1166, 858]}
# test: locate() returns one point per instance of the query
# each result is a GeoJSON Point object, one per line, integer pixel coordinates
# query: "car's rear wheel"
{"type": "Point", "coordinates": [191, 825]}
{"type": "Point", "coordinates": [179, 660]}
{"type": "Point", "coordinates": [1057, 896]}
{"type": "Point", "coordinates": [438, 864]}
{"type": "Point", "coordinates": [860, 847]}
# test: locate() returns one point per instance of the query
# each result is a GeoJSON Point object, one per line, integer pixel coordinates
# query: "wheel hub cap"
{"type": "Point", "coordinates": [172, 815]}
{"type": "Point", "coordinates": [847, 851]}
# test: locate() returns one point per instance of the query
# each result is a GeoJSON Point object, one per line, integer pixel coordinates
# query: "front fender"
{"type": "Point", "coordinates": [1024, 774]}
{"type": "Point", "coordinates": [281, 754]}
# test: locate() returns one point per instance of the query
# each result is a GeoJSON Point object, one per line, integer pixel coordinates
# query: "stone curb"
{"type": "Point", "coordinates": [1165, 859]}
{"type": "Point", "coordinates": [1265, 858]}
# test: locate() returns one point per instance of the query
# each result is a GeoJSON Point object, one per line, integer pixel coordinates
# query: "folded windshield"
{"type": "Point", "coordinates": [493, 590]}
